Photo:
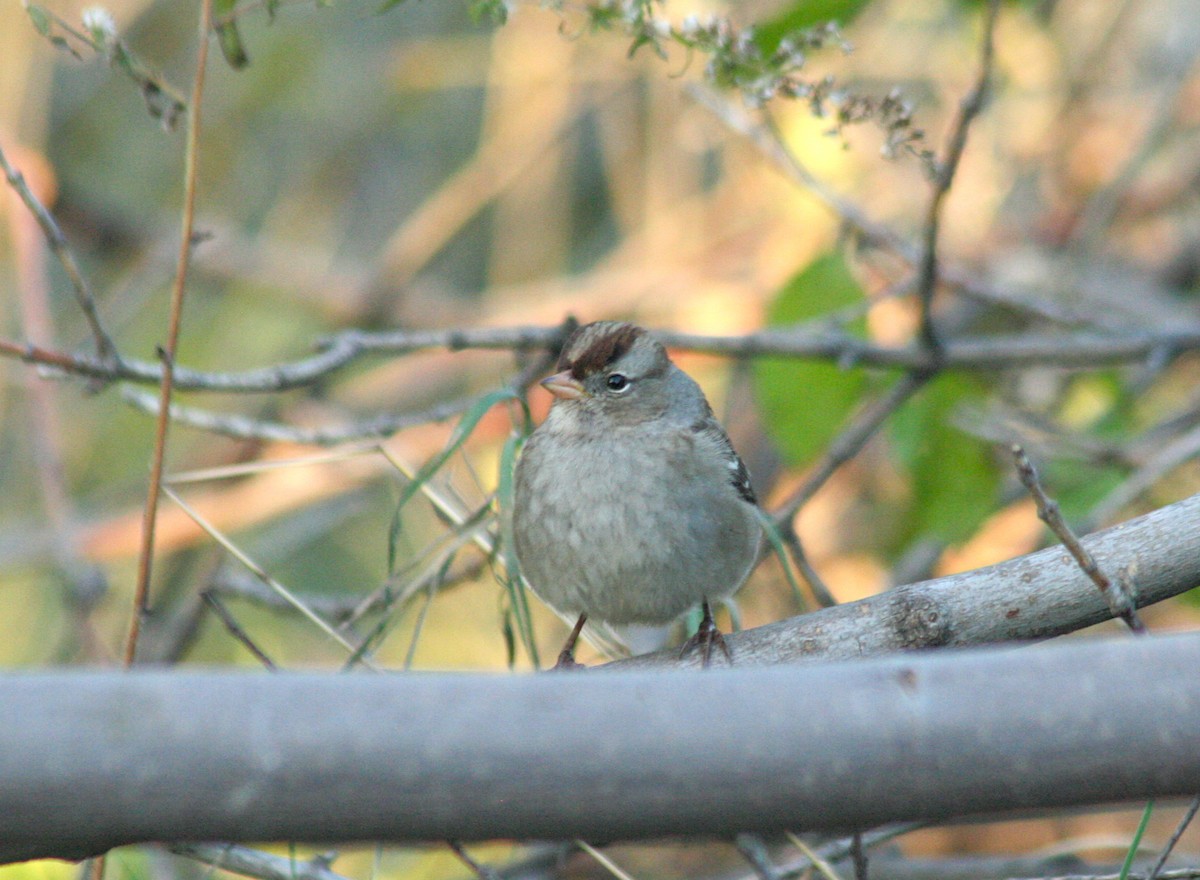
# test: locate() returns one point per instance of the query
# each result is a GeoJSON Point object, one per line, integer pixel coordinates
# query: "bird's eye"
{"type": "Point", "coordinates": [617, 382]}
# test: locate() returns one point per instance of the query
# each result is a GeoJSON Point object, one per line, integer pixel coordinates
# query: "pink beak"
{"type": "Point", "coordinates": [564, 386]}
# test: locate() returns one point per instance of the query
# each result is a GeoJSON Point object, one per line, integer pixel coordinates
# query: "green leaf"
{"type": "Point", "coordinates": [458, 437]}
{"type": "Point", "coordinates": [803, 403]}
{"type": "Point", "coordinates": [228, 37]}
{"type": "Point", "coordinates": [40, 18]}
{"type": "Point", "coordinates": [495, 11]}
{"type": "Point", "coordinates": [802, 15]}
{"type": "Point", "coordinates": [954, 476]}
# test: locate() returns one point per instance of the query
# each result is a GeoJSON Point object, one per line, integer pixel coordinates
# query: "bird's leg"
{"type": "Point", "coordinates": [706, 636]}
{"type": "Point", "coordinates": [566, 657]}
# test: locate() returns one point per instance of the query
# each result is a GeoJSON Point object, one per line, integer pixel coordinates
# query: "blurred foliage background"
{"type": "Point", "coordinates": [424, 167]}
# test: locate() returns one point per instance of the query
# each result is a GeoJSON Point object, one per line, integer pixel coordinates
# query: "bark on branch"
{"type": "Point", "coordinates": [1031, 597]}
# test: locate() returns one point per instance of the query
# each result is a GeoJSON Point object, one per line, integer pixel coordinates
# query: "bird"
{"type": "Point", "coordinates": [630, 504]}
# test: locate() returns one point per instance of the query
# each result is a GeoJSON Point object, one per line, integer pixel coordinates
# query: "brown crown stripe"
{"type": "Point", "coordinates": [601, 351]}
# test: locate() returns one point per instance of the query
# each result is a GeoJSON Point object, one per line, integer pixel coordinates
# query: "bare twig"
{"type": "Point", "coordinates": [836, 850]}
{"type": "Point", "coordinates": [605, 862]}
{"type": "Point", "coordinates": [823, 867]}
{"type": "Point", "coordinates": [1098, 214]}
{"type": "Point", "coordinates": [1115, 594]}
{"type": "Point", "coordinates": [972, 104]}
{"type": "Point", "coordinates": [754, 850]}
{"type": "Point", "coordinates": [1083, 350]}
{"type": "Point", "coordinates": [483, 872]}
{"type": "Point", "coordinates": [106, 351]}
{"type": "Point", "coordinates": [258, 571]}
{"type": "Point", "coordinates": [235, 629]}
{"type": "Point", "coordinates": [770, 142]}
{"type": "Point", "coordinates": [1166, 456]}
{"type": "Point", "coordinates": [245, 585]}
{"type": "Point", "coordinates": [1179, 874]}
{"type": "Point", "coordinates": [167, 354]}
{"type": "Point", "coordinates": [848, 444]}
{"type": "Point", "coordinates": [255, 863]}
{"type": "Point", "coordinates": [233, 425]}
{"type": "Point", "coordinates": [858, 854]}
{"type": "Point", "coordinates": [816, 583]}
{"type": "Point", "coordinates": [84, 582]}
{"type": "Point", "coordinates": [1156, 872]}
{"type": "Point", "coordinates": [248, 427]}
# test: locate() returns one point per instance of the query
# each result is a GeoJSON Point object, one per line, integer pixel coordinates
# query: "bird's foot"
{"type": "Point", "coordinates": [707, 635]}
{"type": "Point", "coordinates": [567, 663]}
{"type": "Point", "coordinates": [566, 657]}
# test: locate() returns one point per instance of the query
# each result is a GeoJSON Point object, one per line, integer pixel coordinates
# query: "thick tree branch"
{"type": "Point", "coordinates": [89, 760]}
{"type": "Point", "coordinates": [1036, 596]}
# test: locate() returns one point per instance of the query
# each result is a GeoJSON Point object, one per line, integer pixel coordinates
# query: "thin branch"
{"type": "Point", "coordinates": [247, 427]}
{"type": "Point", "coordinates": [605, 862]}
{"type": "Point", "coordinates": [258, 571]}
{"type": "Point", "coordinates": [244, 585]}
{"type": "Point", "coordinates": [850, 442]}
{"type": "Point", "coordinates": [482, 871]}
{"type": "Point", "coordinates": [1115, 594]}
{"type": "Point", "coordinates": [1082, 349]}
{"type": "Point", "coordinates": [858, 856]}
{"type": "Point", "coordinates": [213, 601]}
{"type": "Point", "coordinates": [754, 850]}
{"type": "Point", "coordinates": [255, 863]}
{"type": "Point", "coordinates": [770, 142]}
{"type": "Point", "coordinates": [820, 590]}
{"type": "Point", "coordinates": [1166, 457]}
{"type": "Point", "coordinates": [895, 866]}
{"type": "Point", "coordinates": [106, 351]}
{"type": "Point", "coordinates": [842, 848]}
{"type": "Point", "coordinates": [1179, 874]}
{"type": "Point", "coordinates": [1078, 350]}
{"type": "Point", "coordinates": [1101, 208]}
{"type": "Point", "coordinates": [969, 109]}
{"type": "Point", "coordinates": [141, 600]}
{"type": "Point", "coordinates": [84, 583]}
{"type": "Point", "coordinates": [1156, 872]}
{"type": "Point", "coordinates": [823, 867]}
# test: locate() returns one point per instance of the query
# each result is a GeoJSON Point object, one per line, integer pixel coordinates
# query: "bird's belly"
{"type": "Point", "coordinates": [629, 551]}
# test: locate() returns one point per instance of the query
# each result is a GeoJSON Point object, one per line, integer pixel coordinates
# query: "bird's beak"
{"type": "Point", "coordinates": [564, 386]}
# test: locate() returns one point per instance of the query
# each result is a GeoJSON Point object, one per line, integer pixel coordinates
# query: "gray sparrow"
{"type": "Point", "coordinates": [631, 505]}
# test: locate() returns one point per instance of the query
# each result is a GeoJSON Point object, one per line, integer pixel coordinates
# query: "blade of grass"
{"type": "Point", "coordinates": [777, 547]}
{"type": "Point", "coordinates": [258, 572]}
{"type": "Point", "coordinates": [419, 626]}
{"type": "Point", "coordinates": [823, 867]}
{"type": "Point", "coordinates": [518, 600]}
{"type": "Point", "coordinates": [462, 431]}
{"type": "Point", "coordinates": [607, 863]}
{"type": "Point", "coordinates": [1136, 843]}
